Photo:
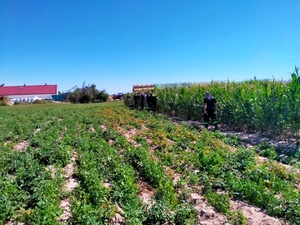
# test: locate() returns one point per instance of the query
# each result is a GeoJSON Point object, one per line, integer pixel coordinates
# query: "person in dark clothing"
{"type": "Point", "coordinates": [136, 99]}
{"type": "Point", "coordinates": [142, 100]}
{"type": "Point", "coordinates": [128, 100]}
{"type": "Point", "coordinates": [153, 101]}
{"type": "Point", "coordinates": [149, 100]}
{"type": "Point", "coordinates": [210, 104]}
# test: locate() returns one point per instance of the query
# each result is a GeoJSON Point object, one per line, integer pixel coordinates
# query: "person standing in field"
{"type": "Point", "coordinates": [149, 100]}
{"type": "Point", "coordinates": [136, 99]}
{"type": "Point", "coordinates": [142, 100]}
{"type": "Point", "coordinates": [210, 105]}
{"type": "Point", "coordinates": [128, 100]}
{"type": "Point", "coordinates": [153, 101]}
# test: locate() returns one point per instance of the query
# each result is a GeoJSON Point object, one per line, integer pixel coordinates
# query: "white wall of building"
{"type": "Point", "coordinates": [28, 98]}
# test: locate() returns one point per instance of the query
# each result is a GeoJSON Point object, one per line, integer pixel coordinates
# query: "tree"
{"type": "Point", "coordinates": [88, 94]}
{"type": "Point", "coordinates": [102, 96]}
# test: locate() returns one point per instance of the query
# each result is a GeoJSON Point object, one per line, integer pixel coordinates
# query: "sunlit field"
{"type": "Point", "coordinates": [106, 163]}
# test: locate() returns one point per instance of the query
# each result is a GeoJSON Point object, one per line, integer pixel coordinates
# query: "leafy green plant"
{"type": "Point", "coordinates": [238, 218]}
{"type": "Point", "coordinates": [113, 172]}
{"type": "Point", "coordinates": [159, 213]}
{"type": "Point", "coordinates": [218, 200]}
{"type": "Point", "coordinates": [266, 150]}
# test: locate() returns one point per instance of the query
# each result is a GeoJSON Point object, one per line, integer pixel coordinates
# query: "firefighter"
{"type": "Point", "coordinates": [210, 104]}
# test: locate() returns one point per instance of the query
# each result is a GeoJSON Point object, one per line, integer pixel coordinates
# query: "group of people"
{"type": "Point", "coordinates": [148, 100]}
{"type": "Point", "coordinates": [142, 100]}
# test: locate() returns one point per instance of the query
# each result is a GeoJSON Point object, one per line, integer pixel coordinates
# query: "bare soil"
{"type": "Point", "coordinates": [249, 140]}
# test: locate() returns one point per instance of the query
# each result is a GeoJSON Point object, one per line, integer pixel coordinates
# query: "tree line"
{"type": "Point", "coordinates": [87, 94]}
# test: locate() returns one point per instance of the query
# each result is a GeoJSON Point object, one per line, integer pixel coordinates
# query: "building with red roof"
{"type": "Point", "coordinates": [28, 92]}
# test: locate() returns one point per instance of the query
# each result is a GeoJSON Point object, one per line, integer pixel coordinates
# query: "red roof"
{"type": "Point", "coordinates": [28, 90]}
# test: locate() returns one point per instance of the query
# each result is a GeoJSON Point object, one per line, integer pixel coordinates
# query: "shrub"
{"type": "Point", "coordinates": [41, 102]}
{"type": "Point", "coordinates": [3, 103]}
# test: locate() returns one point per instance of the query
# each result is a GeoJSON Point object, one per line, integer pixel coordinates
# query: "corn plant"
{"type": "Point", "coordinates": [269, 107]}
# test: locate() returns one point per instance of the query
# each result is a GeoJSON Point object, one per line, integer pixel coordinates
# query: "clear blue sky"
{"type": "Point", "coordinates": [115, 44]}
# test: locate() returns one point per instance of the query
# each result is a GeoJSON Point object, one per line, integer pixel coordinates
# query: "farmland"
{"type": "Point", "coordinates": [268, 107]}
{"type": "Point", "coordinates": [108, 164]}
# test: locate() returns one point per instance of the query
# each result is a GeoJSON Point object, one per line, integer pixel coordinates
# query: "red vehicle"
{"type": "Point", "coordinates": [118, 96]}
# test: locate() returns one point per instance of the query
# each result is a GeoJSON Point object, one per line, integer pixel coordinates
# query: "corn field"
{"type": "Point", "coordinates": [269, 107]}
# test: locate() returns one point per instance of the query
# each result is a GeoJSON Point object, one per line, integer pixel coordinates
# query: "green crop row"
{"type": "Point", "coordinates": [116, 149]}
{"type": "Point", "coordinates": [238, 174]}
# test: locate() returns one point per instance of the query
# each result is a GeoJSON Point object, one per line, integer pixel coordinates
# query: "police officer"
{"type": "Point", "coordinates": [136, 99]}
{"type": "Point", "coordinates": [142, 100]}
{"type": "Point", "coordinates": [210, 104]}
{"type": "Point", "coordinates": [148, 100]}
{"type": "Point", "coordinates": [153, 101]}
{"type": "Point", "coordinates": [128, 100]}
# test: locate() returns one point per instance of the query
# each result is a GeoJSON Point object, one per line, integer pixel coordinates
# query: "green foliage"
{"type": "Point", "coordinates": [11, 198]}
{"type": "Point", "coordinates": [88, 94]}
{"type": "Point", "coordinates": [266, 150]}
{"type": "Point", "coordinates": [22, 103]}
{"type": "Point", "coordinates": [148, 169]}
{"type": "Point", "coordinates": [41, 102]}
{"type": "Point", "coordinates": [159, 213]}
{"type": "Point", "coordinates": [167, 160]}
{"type": "Point", "coordinates": [266, 106]}
{"type": "Point", "coordinates": [2, 103]}
{"type": "Point", "coordinates": [238, 218]}
{"type": "Point", "coordinates": [219, 201]}
{"type": "Point", "coordinates": [186, 214]}
{"type": "Point", "coordinates": [233, 140]}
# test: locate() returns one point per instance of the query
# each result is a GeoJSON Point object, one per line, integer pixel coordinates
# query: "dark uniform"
{"type": "Point", "coordinates": [149, 100]}
{"type": "Point", "coordinates": [142, 100]}
{"type": "Point", "coordinates": [136, 99]}
{"type": "Point", "coordinates": [153, 101]}
{"type": "Point", "coordinates": [210, 110]}
{"type": "Point", "coordinates": [128, 100]}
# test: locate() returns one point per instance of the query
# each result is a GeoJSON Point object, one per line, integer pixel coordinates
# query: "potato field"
{"type": "Point", "coordinates": [109, 164]}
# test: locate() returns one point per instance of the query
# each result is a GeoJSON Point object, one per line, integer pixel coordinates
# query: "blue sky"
{"type": "Point", "coordinates": [115, 44]}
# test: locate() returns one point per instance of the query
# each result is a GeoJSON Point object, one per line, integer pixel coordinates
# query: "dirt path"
{"type": "Point", "coordinates": [248, 140]}
{"type": "Point", "coordinates": [70, 186]}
